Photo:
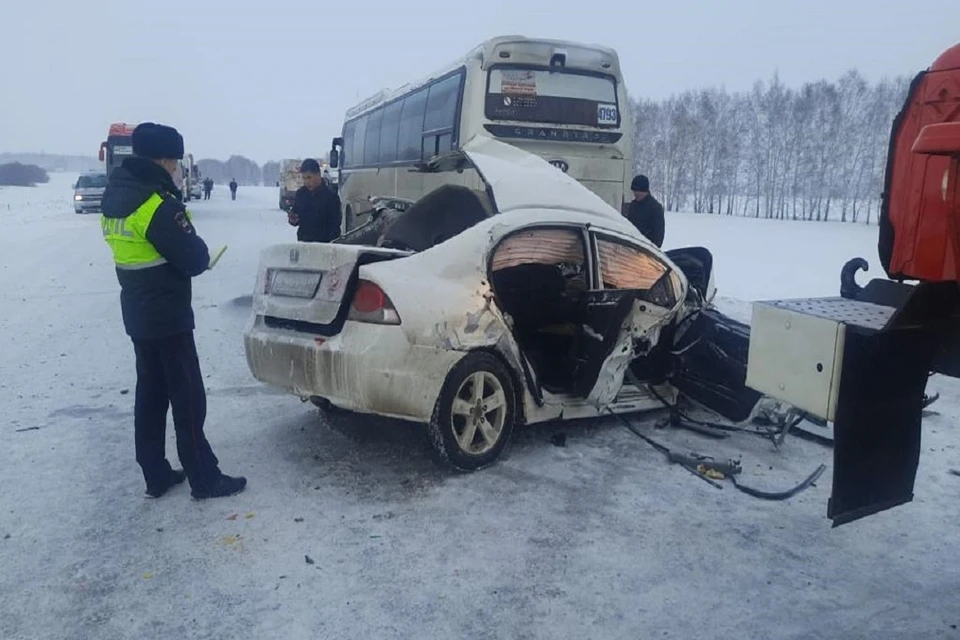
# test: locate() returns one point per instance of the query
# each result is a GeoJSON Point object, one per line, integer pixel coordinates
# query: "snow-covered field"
{"type": "Point", "coordinates": [599, 538]}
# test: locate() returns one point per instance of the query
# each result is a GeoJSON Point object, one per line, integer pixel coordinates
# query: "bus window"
{"type": "Point", "coordinates": [442, 104]}
{"type": "Point", "coordinates": [371, 144]}
{"type": "Point", "coordinates": [411, 126]}
{"type": "Point", "coordinates": [555, 97]}
{"type": "Point", "coordinates": [389, 131]}
{"type": "Point", "coordinates": [349, 133]}
{"type": "Point", "coordinates": [441, 114]}
{"type": "Point", "coordinates": [358, 138]}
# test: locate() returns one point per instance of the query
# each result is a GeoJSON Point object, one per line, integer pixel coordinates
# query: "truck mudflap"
{"type": "Point", "coordinates": [861, 361]}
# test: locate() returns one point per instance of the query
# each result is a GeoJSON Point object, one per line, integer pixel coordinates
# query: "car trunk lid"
{"type": "Point", "coordinates": [307, 286]}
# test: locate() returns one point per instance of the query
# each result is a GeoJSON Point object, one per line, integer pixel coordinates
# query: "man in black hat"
{"type": "Point", "coordinates": [645, 212]}
{"type": "Point", "coordinates": [316, 207]}
{"type": "Point", "coordinates": [157, 251]}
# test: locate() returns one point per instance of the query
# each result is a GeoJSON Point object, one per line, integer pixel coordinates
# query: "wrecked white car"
{"type": "Point", "coordinates": [475, 310]}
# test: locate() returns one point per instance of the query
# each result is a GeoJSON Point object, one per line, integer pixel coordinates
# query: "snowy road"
{"type": "Point", "coordinates": [595, 539]}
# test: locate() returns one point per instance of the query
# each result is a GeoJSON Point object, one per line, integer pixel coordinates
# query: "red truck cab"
{"type": "Point", "coordinates": [919, 230]}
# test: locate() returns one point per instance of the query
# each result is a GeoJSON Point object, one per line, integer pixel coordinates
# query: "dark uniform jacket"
{"type": "Point", "coordinates": [318, 212]}
{"type": "Point", "coordinates": [156, 301]}
{"type": "Point", "coordinates": [647, 216]}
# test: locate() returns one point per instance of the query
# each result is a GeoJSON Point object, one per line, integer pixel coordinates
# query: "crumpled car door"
{"type": "Point", "coordinates": [637, 294]}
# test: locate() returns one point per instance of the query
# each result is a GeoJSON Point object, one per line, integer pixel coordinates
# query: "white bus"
{"type": "Point", "coordinates": [563, 101]}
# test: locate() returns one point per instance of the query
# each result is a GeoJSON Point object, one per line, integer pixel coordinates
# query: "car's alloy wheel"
{"type": "Point", "coordinates": [475, 413]}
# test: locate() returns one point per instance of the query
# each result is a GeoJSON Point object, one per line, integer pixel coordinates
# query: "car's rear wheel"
{"type": "Point", "coordinates": [475, 413]}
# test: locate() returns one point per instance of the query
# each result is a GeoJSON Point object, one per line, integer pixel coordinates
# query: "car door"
{"type": "Point", "coordinates": [634, 293]}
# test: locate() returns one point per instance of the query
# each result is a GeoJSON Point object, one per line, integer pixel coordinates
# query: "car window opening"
{"type": "Point", "coordinates": [539, 277]}
{"type": "Point", "coordinates": [436, 217]}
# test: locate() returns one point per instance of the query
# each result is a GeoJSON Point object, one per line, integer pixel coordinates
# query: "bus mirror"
{"type": "Point", "coordinates": [103, 148]}
{"type": "Point", "coordinates": [334, 158]}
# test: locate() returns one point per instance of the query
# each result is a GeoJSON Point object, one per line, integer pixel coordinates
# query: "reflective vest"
{"type": "Point", "coordinates": [127, 237]}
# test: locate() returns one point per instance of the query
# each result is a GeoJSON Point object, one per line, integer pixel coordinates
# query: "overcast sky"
{"type": "Point", "coordinates": [273, 80]}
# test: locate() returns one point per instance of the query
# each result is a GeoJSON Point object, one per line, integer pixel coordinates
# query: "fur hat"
{"type": "Point", "coordinates": [157, 141]}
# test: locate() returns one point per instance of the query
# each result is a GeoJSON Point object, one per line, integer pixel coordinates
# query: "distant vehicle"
{"type": "Point", "coordinates": [191, 182]}
{"type": "Point", "coordinates": [88, 191]}
{"type": "Point", "coordinates": [290, 181]}
{"type": "Point", "coordinates": [117, 147]}
{"type": "Point", "coordinates": [563, 101]}
{"type": "Point", "coordinates": [331, 177]}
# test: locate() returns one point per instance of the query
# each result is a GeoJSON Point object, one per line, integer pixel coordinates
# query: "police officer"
{"type": "Point", "coordinates": [157, 251]}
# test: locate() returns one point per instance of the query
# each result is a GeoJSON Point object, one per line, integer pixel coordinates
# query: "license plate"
{"type": "Point", "coordinates": [607, 114]}
{"type": "Point", "coordinates": [295, 284]}
{"type": "Point", "coordinates": [121, 150]}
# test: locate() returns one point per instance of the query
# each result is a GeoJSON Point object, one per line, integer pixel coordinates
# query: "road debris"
{"type": "Point", "coordinates": [710, 470]}
{"type": "Point", "coordinates": [309, 560]}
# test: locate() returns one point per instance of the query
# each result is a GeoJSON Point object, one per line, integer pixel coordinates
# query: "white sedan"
{"type": "Point", "coordinates": [528, 301]}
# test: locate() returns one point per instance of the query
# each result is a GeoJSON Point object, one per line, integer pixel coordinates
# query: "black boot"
{"type": "Point", "coordinates": [220, 487]}
{"type": "Point", "coordinates": [176, 477]}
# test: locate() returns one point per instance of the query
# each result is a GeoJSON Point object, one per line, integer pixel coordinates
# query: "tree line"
{"type": "Point", "coordinates": [243, 170]}
{"type": "Point", "coordinates": [14, 174]}
{"type": "Point", "coordinates": [813, 153]}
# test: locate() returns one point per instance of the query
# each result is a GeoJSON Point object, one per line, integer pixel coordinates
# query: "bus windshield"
{"type": "Point", "coordinates": [552, 96]}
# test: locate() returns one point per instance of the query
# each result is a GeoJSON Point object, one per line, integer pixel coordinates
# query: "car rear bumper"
{"type": "Point", "coordinates": [365, 368]}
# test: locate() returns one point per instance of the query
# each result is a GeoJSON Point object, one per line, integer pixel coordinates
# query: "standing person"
{"type": "Point", "coordinates": [157, 251]}
{"type": "Point", "coordinates": [645, 212]}
{"type": "Point", "coordinates": [233, 189]}
{"type": "Point", "coordinates": [316, 208]}
{"type": "Point", "coordinates": [207, 188]}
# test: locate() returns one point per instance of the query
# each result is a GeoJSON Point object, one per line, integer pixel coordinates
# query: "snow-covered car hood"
{"type": "Point", "coordinates": [518, 179]}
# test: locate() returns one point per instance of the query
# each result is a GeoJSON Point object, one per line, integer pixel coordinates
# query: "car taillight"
{"type": "Point", "coordinates": [371, 304]}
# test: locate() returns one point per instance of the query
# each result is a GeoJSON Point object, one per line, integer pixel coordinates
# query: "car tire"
{"type": "Point", "coordinates": [470, 428]}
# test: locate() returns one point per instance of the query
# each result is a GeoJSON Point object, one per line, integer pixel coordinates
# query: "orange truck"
{"type": "Point", "coordinates": [861, 361]}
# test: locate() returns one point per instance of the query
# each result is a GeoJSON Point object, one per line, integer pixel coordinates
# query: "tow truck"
{"type": "Point", "coordinates": [861, 361]}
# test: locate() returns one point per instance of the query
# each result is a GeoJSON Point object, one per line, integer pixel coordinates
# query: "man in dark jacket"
{"type": "Point", "coordinates": [316, 208]}
{"type": "Point", "coordinates": [645, 212]}
{"type": "Point", "coordinates": [157, 251]}
{"type": "Point", "coordinates": [233, 189]}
